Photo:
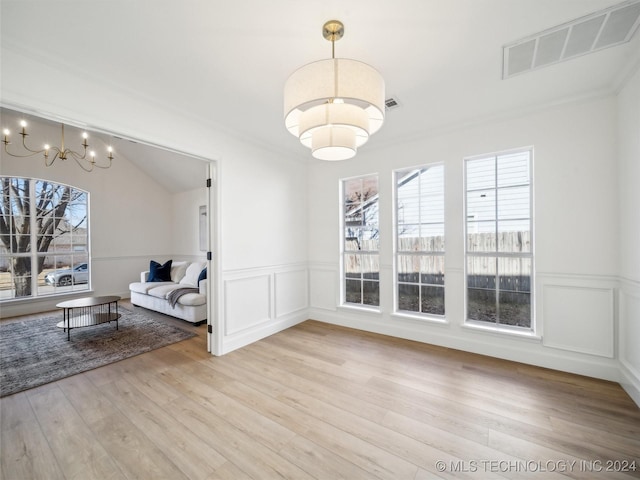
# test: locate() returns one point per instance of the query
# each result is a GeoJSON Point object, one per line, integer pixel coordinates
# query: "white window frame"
{"type": "Point", "coordinates": [33, 254]}
{"type": "Point", "coordinates": [498, 327]}
{"type": "Point", "coordinates": [344, 251]}
{"type": "Point", "coordinates": [433, 253]}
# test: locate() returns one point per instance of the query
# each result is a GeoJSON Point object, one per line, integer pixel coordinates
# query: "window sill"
{"type": "Point", "coordinates": [361, 309]}
{"type": "Point", "coordinates": [53, 297]}
{"type": "Point", "coordinates": [505, 330]}
{"type": "Point", "coordinates": [437, 320]}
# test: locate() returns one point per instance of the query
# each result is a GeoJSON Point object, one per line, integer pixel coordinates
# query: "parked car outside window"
{"type": "Point", "coordinates": [65, 277]}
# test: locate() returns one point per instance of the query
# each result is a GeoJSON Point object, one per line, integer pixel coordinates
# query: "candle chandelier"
{"type": "Point", "coordinates": [85, 159]}
{"type": "Point", "coordinates": [334, 105]}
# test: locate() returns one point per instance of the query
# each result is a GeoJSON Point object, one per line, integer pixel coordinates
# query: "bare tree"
{"type": "Point", "coordinates": [51, 203]}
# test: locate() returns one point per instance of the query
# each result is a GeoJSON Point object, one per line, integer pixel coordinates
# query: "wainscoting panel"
{"type": "Point", "coordinates": [247, 302]}
{"type": "Point", "coordinates": [259, 302]}
{"type": "Point", "coordinates": [323, 283]}
{"type": "Point", "coordinates": [579, 318]}
{"type": "Point", "coordinates": [629, 337]}
{"type": "Point", "coordinates": [291, 292]}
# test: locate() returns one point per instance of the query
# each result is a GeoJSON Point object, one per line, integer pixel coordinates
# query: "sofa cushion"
{"type": "Point", "coordinates": [191, 275]}
{"type": "Point", "coordinates": [192, 299]}
{"type": "Point", "coordinates": [178, 270]}
{"type": "Point", "coordinates": [158, 272]}
{"type": "Point", "coordinates": [144, 287]}
{"type": "Point", "coordinates": [161, 291]}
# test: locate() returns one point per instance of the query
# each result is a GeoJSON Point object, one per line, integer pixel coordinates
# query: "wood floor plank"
{"type": "Point", "coordinates": [25, 450]}
{"type": "Point", "coordinates": [261, 429]}
{"type": "Point", "coordinates": [78, 452]}
{"type": "Point", "coordinates": [545, 460]}
{"type": "Point", "coordinates": [134, 453]}
{"type": "Point", "coordinates": [321, 462]}
{"type": "Point", "coordinates": [229, 471]}
{"type": "Point", "coordinates": [248, 455]}
{"type": "Point", "coordinates": [626, 445]}
{"type": "Point", "coordinates": [323, 383]}
{"type": "Point", "coordinates": [86, 399]}
{"type": "Point", "coordinates": [183, 448]}
{"type": "Point", "coordinates": [376, 461]}
{"type": "Point", "coordinates": [390, 440]}
{"type": "Point", "coordinates": [316, 401]}
{"type": "Point", "coordinates": [371, 458]}
{"type": "Point", "coordinates": [452, 444]}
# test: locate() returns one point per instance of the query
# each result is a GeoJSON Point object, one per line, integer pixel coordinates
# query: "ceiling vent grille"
{"type": "Point", "coordinates": [603, 29]}
{"type": "Point", "coordinates": [391, 103]}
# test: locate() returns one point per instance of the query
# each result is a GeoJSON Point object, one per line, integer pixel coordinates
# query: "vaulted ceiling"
{"type": "Point", "coordinates": [227, 61]}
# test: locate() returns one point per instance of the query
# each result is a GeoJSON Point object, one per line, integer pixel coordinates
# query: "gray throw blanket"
{"type": "Point", "coordinates": [174, 295]}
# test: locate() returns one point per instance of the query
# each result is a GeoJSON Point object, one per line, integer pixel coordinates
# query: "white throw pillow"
{"type": "Point", "coordinates": [178, 269]}
{"type": "Point", "coordinates": [193, 272]}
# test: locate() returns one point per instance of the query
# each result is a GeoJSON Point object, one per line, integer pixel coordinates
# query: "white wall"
{"type": "Point", "coordinates": [576, 236]}
{"type": "Point", "coordinates": [185, 222]}
{"type": "Point", "coordinates": [629, 246]}
{"type": "Point", "coordinates": [264, 284]}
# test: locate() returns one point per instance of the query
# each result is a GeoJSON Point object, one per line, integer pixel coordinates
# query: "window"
{"type": "Point", "coordinates": [499, 253]}
{"type": "Point", "coordinates": [44, 233]}
{"type": "Point", "coordinates": [360, 257]}
{"type": "Point", "coordinates": [420, 240]}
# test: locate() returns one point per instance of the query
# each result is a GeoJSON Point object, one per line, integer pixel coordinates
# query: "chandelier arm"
{"type": "Point", "coordinates": [96, 164]}
{"type": "Point", "coordinates": [76, 155]}
{"type": "Point", "coordinates": [82, 165]}
{"type": "Point", "coordinates": [83, 160]}
{"type": "Point", "coordinates": [6, 149]}
{"type": "Point", "coordinates": [48, 162]}
{"type": "Point", "coordinates": [24, 144]}
{"type": "Point", "coordinates": [101, 166]}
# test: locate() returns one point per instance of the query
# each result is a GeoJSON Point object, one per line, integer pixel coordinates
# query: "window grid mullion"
{"type": "Point", "coordinates": [497, 276]}
{"type": "Point", "coordinates": [34, 237]}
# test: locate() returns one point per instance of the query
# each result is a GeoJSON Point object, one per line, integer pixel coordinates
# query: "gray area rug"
{"type": "Point", "coordinates": [35, 352]}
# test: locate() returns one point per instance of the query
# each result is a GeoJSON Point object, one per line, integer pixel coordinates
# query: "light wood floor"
{"type": "Point", "coordinates": [319, 401]}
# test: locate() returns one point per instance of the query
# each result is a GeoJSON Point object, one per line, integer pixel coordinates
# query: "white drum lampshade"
{"type": "Point", "coordinates": [334, 105]}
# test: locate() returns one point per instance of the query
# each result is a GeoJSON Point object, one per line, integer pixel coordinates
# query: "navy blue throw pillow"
{"type": "Point", "coordinates": [203, 275]}
{"type": "Point", "coordinates": [159, 273]}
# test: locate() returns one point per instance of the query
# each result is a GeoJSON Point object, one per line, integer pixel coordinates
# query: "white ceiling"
{"type": "Point", "coordinates": [227, 61]}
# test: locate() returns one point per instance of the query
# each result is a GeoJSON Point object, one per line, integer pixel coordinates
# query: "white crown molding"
{"type": "Point", "coordinates": [174, 112]}
{"type": "Point", "coordinates": [498, 117]}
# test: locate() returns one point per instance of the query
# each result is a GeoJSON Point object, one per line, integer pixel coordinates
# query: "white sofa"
{"type": "Point", "coordinates": [191, 307]}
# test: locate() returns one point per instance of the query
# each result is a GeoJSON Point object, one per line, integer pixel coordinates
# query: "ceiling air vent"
{"type": "Point", "coordinates": [391, 103]}
{"type": "Point", "coordinates": [606, 28]}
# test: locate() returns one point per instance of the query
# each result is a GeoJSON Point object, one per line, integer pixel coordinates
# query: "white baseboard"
{"type": "Point", "coordinates": [258, 332]}
{"type": "Point", "coordinates": [513, 349]}
{"type": "Point", "coordinates": [630, 381]}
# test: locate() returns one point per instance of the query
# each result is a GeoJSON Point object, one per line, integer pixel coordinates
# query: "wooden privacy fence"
{"type": "Point", "coordinates": [515, 272]}
{"type": "Point", "coordinates": [506, 242]}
